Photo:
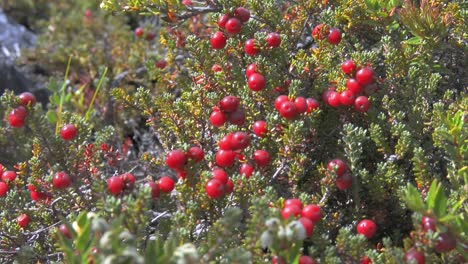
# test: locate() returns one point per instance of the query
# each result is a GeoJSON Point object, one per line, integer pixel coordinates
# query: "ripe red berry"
{"type": "Point", "coordinates": [218, 40]}
{"type": "Point", "coordinates": [320, 32]}
{"type": "Point", "coordinates": [365, 76]}
{"type": "Point", "coordinates": [240, 140]}
{"type": "Point", "coordinates": [344, 182]}
{"type": "Point", "coordinates": [333, 99]}
{"type": "Point", "coordinates": [242, 13]}
{"type": "Point", "coordinates": [16, 116]}
{"type": "Point", "coordinates": [150, 36]}
{"type": "Point", "coordinates": [176, 159]}
{"type": "Point", "coordinates": [308, 225]}
{"type": "Point", "coordinates": [367, 228]}
{"type": "Point", "coordinates": [68, 132]}
{"type": "Point", "coordinates": [312, 104]}
{"type": "Point", "coordinates": [293, 201]}
{"type": "Point", "coordinates": [115, 185]}
{"type": "Point", "coordinates": [273, 40]}
{"type": "Point", "coordinates": [27, 98]}
{"type": "Point", "coordinates": [445, 243]}
{"type": "Point", "coordinates": [87, 13]}
{"type": "Point", "coordinates": [23, 220]}
{"type": "Point", "coordinates": [256, 82]}
{"type": "Point", "coordinates": [229, 187]}
{"type": "Point", "coordinates": [181, 174]}
{"type": "Point", "coordinates": [246, 169]}
{"type": "Point", "coordinates": [220, 175]}
{"type": "Point", "coordinates": [428, 223]}
{"type": "Point", "coordinates": [233, 26]}
{"type": "Point", "coordinates": [260, 128]}
{"type": "Point", "coordinates": [280, 100]}
{"type": "Point", "coordinates": [8, 176]}
{"type": "Point", "coordinates": [161, 64]}
{"type": "Point", "coordinates": [35, 195]}
{"type": "Point", "coordinates": [3, 189]}
{"type": "Point", "coordinates": [222, 20]}
{"type": "Point", "coordinates": [229, 103]}
{"type": "Point", "coordinates": [348, 67]}
{"type": "Point", "coordinates": [306, 260]}
{"type": "Point", "coordinates": [237, 117]}
{"type": "Point", "coordinates": [196, 154]}
{"type": "Point", "coordinates": [289, 211]}
{"type": "Point", "coordinates": [301, 104]}
{"type": "Point", "coordinates": [365, 260]}
{"type": "Point", "coordinates": [61, 180]}
{"type": "Point", "coordinates": [166, 184]}
{"type": "Point", "coordinates": [63, 229]}
{"type": "Point", "coordinates": [218, 118]}
{"type": "Point", "coordinates": [337, 165]}
{"type": "Point", "coordinates": [261, 158]}
{"type": "Point", "coordinates": [415, 256]}
{"type": "Point", "coordinates": [252, 68]}
{"type": "Point", "coordinates": [354, 86]}
{"type": "Point", "coordinates": [216, 68]}
{"type": "Point", "coordinates": [139, 31]}
{"type": "Point", "coordinates": [313, 212]}
{"type": "Point", "coordinates": [361, 104]}
{"type": "Point", "coordinates": [288, 110]}
{"type": "Point", "coordinates": [128, 180]}
{"type": "Point", "coordinates": [154, 189]}
{"type": "Point", "coordinates": [334, 36]}
{"type": "Point", "coordinates": [225, 158]}
{"type": "Point", "coordinates": [214, 189]}
{"type": "Point", "coordinates": [250, 48]}
{"type": "Point", "coordinates": [225, 142]}
{"type": "Point", "coordinates": [347, 97]}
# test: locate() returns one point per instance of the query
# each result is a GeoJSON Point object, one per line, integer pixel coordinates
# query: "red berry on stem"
{"type": "Point", "coordinates": [337, 165]}
{"type": "Point", "coordinates": [306, 260]}
{"type": "Point", "coordinates": [16, 116]}
{"type": "Point", "coordinates": [154, 189]}
{"type": "Point", "coordinates": [344, 182]}
{"type": "Point", "coordinates": [365, 76]}
{"type": "Point", "coordinates": [428, 223]}
{"type": "Point", "coordinates": [312, 104]}
{"type": "Point", "coordinates": [415, 256]}
{"type": "Point", "coordinates": [256, 82]}
{"type": "Point", "coordinates": [216, 68]}
{"type": "Point", "coordinates": [367, 228]}
{"type": "Point", "coordinates": [150, 36]}
{"type": "Point", "coordinates": [176, 159]}
{"type": "Point", "coordinates": [229, 187]}
{"type": "Point", "coordinates": [301, 104]}
{"type": "Point", "coordinates": [61, 180]}
{"type": "Point", "coordinates": [354, 86]}
{"type": "Point", "coordinates": [273, 40]}
{"type": "Point", "coordinates": [229, 103]}
{"type": "Point", "coordinates": [252, 68]}
{"type": "Point", "coordinates": [334, 36]}
{"type": "Point", "coordinates": [250, 48]}
{"type": "Point", "coordinates": [222, 20]}
{"type": "Point", "coordinates": [261, 158]}
{"type": "Point", "coordinates": [225, 158]}
{"type": "Point", "coordinates": [293, 201]}
{"type": "Point", "coordinates": [233, 26]}
{"type": "Point", "coordinates": [348, 67]}
{"type": "Point", "coordinates": [220, 175]}
{"type": "Point", "coordinates": [365, 260]}
{"type": "Point", "coordinates": [218, 118]}
{"type": "Point", "coordinates": [166, 184]}
{"type": "Point", "coordinates": [289, 211]}
{"type": "Point", "coordinates": [8, 176]}
{"type": "Point", "coordinates": [280, 100]}
{"type": "Point", "coordinates": [333, 99]}
{"type": "Point", "coordinates": [445, 243]}
{"type": "Point", "coordinates": [347, 97]}
{"type": "Point", "coordinates": [240, 140]}
{"type": "Point", "coordinates": [237, 117]}
{"type": "Point", "coordinates": [27, 98]}
{"type": "Point", "coordinates": [214, 189]}
{"type": "Point", "coordinates": [23, 220]}
{"type": "Point", "coordinates": [3, 189]}
{"type": "Point", "coordinates": [308, 225]}
{"type": "Point", "coordinates": [139, 31]}
{"type": "Point", "coordinates": [361, 104]}
{"type": "Point", "coordinates": [313, 212]}
{"type": "Point", "coordinates": [260, 128]}
{"type": "Point", "coordinates": [68, 132]}
{"type": "Point", "coordinates": [161, 64]}
{"type": "Point", "coordinates": [218, 40]}
{"type": "Point", "coordinates": [288, 110]}
{"type": "Point", "coordinates": [196, 154]}
{"type": "Point", "coordinates": [225, 142]}
{"type": "Point", "coordinates": [115, 185]}
{"type": "Point", "coordinates": [246, 169]}
{"type": "Point", "coordinates": [242, 13]}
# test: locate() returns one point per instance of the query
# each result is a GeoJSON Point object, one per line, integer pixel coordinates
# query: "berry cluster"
{"type": "Point", "coordinates": [445, 242]}
{"type": "Point", "coordinates": [290, 109]}
{"type": "Point", "coordinates": [121, 183]}
{"type": "Point", "coordinates": [228, 111]}
{"type": "Point", "coordinates": [232, 24]}
{"type": "Point", "coordinates": [139, 32]}
{"type": "Point", "coordinates": [322, 31]}
{"type": "Point", "coordinates": [17, 116]}
{"type": "Point", "coordinates": [308, 215]}
{"type": "Point", "coordinates": [343, 177]}
{"type": "Point", "coordinates": [255, 80]}
{"type": "Point", "coordinates": [219, 185]}
{"type": "Point", "coordinates": [6, 177]}
{"type": "Point", "coordinates": [177, 159]}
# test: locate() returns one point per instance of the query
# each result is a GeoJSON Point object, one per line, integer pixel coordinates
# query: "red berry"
{"type": "Point", "coordinates": [344, 182]}
{"type": "Point", "coordinates": [346, 97]}
{"type": "Point", "coordinates": [225, 142]}
{"type": "Point", "coordinates": [61, 180]}
{"type": "Point", "coordinates": [365, 260]}
{"type": "Point", "coordinates": [313, 212]}
{"type": "Point", "coordinates": [320, 31]}
{"type": "Point", "coordinates": [334, 36]}
{"type": "Point", "coordinates": [365, 76]}
{"type": "Point", "coordinates": [252, 68]}
{"type": "Point", "coordinates": [8, 176]}
{"type": "Point", "coordinates": [176, 159]}
{"type": "Point", "coordinates": [23, 220]}
{"type": "Point", "coordinates": [288, 110]}
{"type": "Point", "coordinates": [196, 154]}
{"type": "Point", "coordinates": [150, 36]}
{"type": "Point", "coordinates": [154, 189]}
{"type": "Point", "coordinates": [115, 185]}
{"type": "Point", "coordinates": [161, 64]}
{"type": "Point", "coordinates": [229, 103]}
{"type": "Point", "coordinates": [301, 104]}
{"type": "Point", "coordinates": [68, 132]}
{"type": "Point", "coordinates": [129, 180]}
{"type": "Point", "coordinates": [229, 187]}
{"type": "Point", "coordinates": [337, 165]}
{"type": "Point", "coordinates": [166, 184]}
{"type": "Point", "coordinates": [428, 223]}
{"type": "Point", "coordinates": [280, 100]}
{"type": "Point", "coordinates": [220, 175]}
{"type": "Point", "coordinates": [139, 31]}
{"type": "Point", "coordinates": [445, 243]}
{"type": "Point", "coordinates": [348, 67]}
{"type": "Point", "coordinates": [237, 117]}
{"type": "Point", "coordinates": [250, 48]}
{"type": "Point", "coordinates": [278, 260]}
{"type": "Point", "coordinates": [354, 86]}
{"type": "Point", "coordinates": [63, 229]}
{"type": "Point", "coordinates": [3, 189]}
{"type": "Point", "coordinates": [261, 158]}
{"type": "Point", "coordinates": [216, 68]}
{"type": "Point", "coordinates": [361, 104]}
{"type": "Point", "coordinates": [240, 140]}
{"type": "Point", "coordinates": [312, 104]}
{"type": "Point", "coordinates": [260, 128]}
{"type": "Point", "coordinates": [223, 19]}
{"type": "Point", "coordinates": [217, 118]}
{"type": "Point", "coordinates": [218, 40]}
{"type": "Point", "coordinates": [242, 13]}
{"type": "Point", "coordinates": [225, 158]}
{"type": "Point", "coordinates": [326, 94]}
{"type": "Point", "coordinates": [415, 256]}
{"type": "Point", "coordinates": [273, 40]}
{"type": "Point", "coordinates": [16, 116]}
{"type": "Point", "coordinates": [214, 189]}
{"type": "Point", "coordinates": [289, 211]}
{"type": "Point", "coordinates": [306, 260]}
{"type": "Point", "coordinates": [27, 98]}
{"type": "Point", "coordinates": [88, 13]}
{"type": "Point", "coordinates": [293, 201]}
{"type": "Point", "coordinates": [367, 228]}
{"type": "Point", "coordinates": [233, 26]}
{"type": "Point", "coordinates": [246, 169]}
{"type": "Point", "coordinates": [308, 225]}
{"type": "Point", "coordinates": [181, 174]}
{"type": "Point", "coordinates": [256, 82]}
{"type": "Point", "coordinates": [333, 99]}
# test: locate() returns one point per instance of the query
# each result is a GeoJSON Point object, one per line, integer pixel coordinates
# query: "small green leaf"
{"type": "Point", "coordinates": [414, 41]}
{"type": "Point", "coordinates": [436, 199]}
{"type": "Point", "coordinates": [413, 199]}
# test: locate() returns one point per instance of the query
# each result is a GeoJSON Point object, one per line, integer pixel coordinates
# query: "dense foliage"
{"type": "Point", "coordinates": [239, 131]}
